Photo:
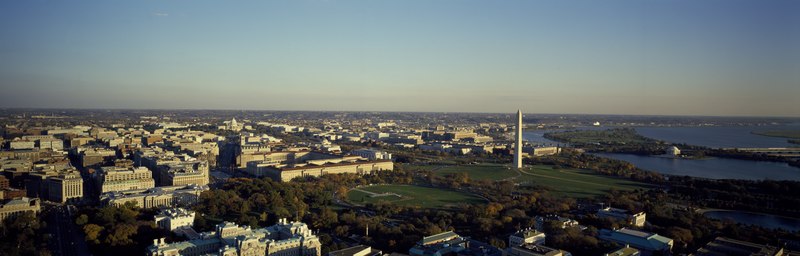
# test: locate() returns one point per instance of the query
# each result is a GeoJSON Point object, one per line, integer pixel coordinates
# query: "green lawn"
{"type": "Point", "coordinates": [574, 182]}
{"type": "Point", "coordinates": [480, 171]}
{"type": "Point", "coordinates": [568, 182]}
{"type": "Point", "coordinates": [411, 195]}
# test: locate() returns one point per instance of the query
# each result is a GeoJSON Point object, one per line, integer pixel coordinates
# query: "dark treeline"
{"type": "Point", "coordinates": [125, 230]}
{"type": "Point", "coordinates": [617, 140]}
{"type": "Point", "coordinates": [23, 234]}
{"type": "Point", "coordinates": [776, 197]}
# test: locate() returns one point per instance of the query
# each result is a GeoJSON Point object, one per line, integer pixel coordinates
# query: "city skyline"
{"type": "Point", "coordinates": [709, 58]}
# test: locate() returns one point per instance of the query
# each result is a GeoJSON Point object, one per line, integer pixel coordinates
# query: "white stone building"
{"type": "Point", "coordinates": [175, 218]}
{"type": "Point", "coordinates": [282, 239]}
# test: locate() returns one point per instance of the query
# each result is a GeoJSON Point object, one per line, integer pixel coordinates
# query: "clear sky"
{"type": "Point", "coordinates": [692, 57]}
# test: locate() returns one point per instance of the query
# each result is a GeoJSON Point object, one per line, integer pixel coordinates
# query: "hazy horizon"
{"type": "Point", "coordinates": [674, 58]}
{"type": "Point", "coordinates": [387, 111]}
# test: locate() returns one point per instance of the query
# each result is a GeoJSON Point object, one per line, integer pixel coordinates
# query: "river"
{"type": "Point", "coordinates": [712, 168]}
{"type": "Point", "coordinates": [707, 136]}
{"type": "Point", "coordinates": [758, 219]}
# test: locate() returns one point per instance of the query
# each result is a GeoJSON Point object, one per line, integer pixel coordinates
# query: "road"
{"type": "Point", "coordinates": [67, 238]}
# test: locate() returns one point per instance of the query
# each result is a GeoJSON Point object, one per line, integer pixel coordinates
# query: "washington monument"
{"type": "Point", "coordinates": [518, 142]}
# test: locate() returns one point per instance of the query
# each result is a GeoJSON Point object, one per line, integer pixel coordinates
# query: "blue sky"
{"type": "Point", "coordinates": [693, 57]}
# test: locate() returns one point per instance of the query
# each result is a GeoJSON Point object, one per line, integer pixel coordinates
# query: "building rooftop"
{"type": "Point", "coordinates": [726, 246]}
{"type": "Point", "coordinates": [17, 202]}
{"type": "Point", "coordinates": [449, 235]}
{"type": "Point", "coordinates": [539, 249]}
{"type": "Point", "coordinates": [527, 233]}
{"type": "Point", "coordinates": [625, 251]}
{"type": "Point", "coordinates": [638, 239]}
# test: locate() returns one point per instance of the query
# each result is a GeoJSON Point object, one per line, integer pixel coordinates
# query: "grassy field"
{"type": "Point", "coordinates": [479, 172]}
{"type": "Point", "coordinates": [568, 182]}
{"type": "Point", "coordinates": [411, 195]}
{"type": "Point", "coordinates": [574, 182]}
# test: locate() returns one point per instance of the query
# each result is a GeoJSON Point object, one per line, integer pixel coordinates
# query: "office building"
{"type": "Point", "coordinates": [185, 173]}
{"type": "Point", "coordinates": [113, 178]}
{"type": "Point", "coordinates": [66, 185]}
{"type": "Point", "coordinates": [96, 156]}
{"type": "Point", "coordinates": [18, 144]}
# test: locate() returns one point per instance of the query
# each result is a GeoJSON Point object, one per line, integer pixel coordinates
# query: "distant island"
{"type": "Point", "coordinates": [793, 135]}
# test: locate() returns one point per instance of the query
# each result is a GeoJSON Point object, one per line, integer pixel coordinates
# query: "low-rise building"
{"type": "Point", "coordinates": [526, 236]}
{"type": "Point", "coordinates": [533, 250]}
{"type": "Point", "coordinates": [17, 206]}
{"type": "Point", "coordinates": [440, 244]}
{"type": "Point", "coordinates": [358, 250]}
{"type": "Point", "coordinates": [284, 166]}
{"type": "Point", "coordinates": [282, 239]}
{"type": "Point", "coordinates": [647, 243]}
{"type": "Point", "coordinates": [562, 222]}
{"type": "Point", "coordinates": [372, 154]}
{"type": "Point", "coordinates": [175, 218]}
{"type": "Point", "coordinates": [541, 150]}
{"type": "Point", "coordinates": [450, 243]}
{"type": "Point", "coordinates": [635, 219]}
{"type": "Point", "coordinates": [178, 196]}
{"type": "Point", "coordinates": [625, 251]}
{"type": "Point", "coordinates": [732, 247]}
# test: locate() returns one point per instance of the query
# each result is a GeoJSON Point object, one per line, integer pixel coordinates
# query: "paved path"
{"type": "Point", "coordinates": [547, 176]}
{"type": "Point", "coordinates": [373, 194]}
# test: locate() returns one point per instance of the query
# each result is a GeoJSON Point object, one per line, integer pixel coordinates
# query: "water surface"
{"type": "Point", "coordinates": [762, 220]}
{"type": "Point", "coordinates": [712, 168]}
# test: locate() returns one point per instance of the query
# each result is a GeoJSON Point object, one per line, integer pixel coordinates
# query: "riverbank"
{"type": "Point", "coordinates": [764, 220]}
{"type": "Point", "coordinates": [710, 167]}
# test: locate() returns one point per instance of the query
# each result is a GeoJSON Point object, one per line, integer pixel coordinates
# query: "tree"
{"type": "Point", "coordinates": [92, 232]}
{"type": "Point", "coordinates": [341, 193]}
{"type": "Point", "coordinates": [121, 235]}
{"type": "Point", "coordinates": [82, 220]}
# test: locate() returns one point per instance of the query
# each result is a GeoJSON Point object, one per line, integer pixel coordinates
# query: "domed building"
{"type": "Point", "coordinates": [673, 151]}
{"type": "Point", "coordinates": [231, 125]}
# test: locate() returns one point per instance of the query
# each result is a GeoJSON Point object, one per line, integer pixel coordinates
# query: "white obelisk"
{"type": "Point", "coordinates": [518, 142]}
